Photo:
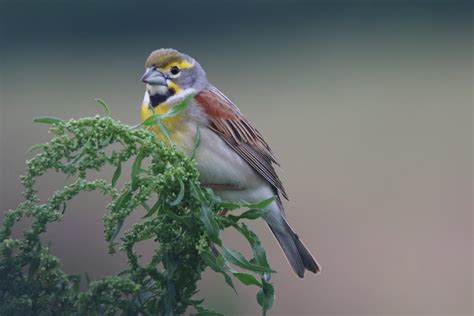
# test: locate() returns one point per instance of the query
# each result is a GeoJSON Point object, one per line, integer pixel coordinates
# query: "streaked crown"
{"type": "Point", "coordinates": [167, 57]}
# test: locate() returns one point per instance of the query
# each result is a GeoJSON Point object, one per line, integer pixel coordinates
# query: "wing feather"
{"type": "Point", "coordinates": [227, 121]}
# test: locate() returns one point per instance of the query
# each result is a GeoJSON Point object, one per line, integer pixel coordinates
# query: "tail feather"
{"type": "Point", "coordinates": [309, 262]}
{"type": "Point", "coordinates": [295, 251]}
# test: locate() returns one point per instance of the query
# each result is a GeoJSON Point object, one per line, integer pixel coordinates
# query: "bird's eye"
{"type": "Point", "coordinates": [174, 70]}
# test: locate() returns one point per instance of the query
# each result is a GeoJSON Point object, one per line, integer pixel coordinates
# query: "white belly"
{"type": "Point", "coordinates": [219, 164]}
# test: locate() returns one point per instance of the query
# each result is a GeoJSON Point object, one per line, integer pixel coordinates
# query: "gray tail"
{"type": "Point", "coordinates": [295, 251]}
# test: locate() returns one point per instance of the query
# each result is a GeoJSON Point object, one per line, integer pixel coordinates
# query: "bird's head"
{"type": "Point", "coordinates": [171, 76]}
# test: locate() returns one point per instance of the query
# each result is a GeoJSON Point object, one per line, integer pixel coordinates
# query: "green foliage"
{"type": "Point", "coordinates": [181, 216]}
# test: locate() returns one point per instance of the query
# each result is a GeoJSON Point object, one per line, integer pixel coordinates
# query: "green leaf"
{"type": "Point", "coordinates": [164, 130]}
{"type": "Point", "coordinates": [34, 265]}
{"type": "Point", "coordinates": [170, 297]}
{"type": "Point", "coordinates": [124, 272]}
{"type": "Point", "coordinates": [211, 261]}
{"type": "Point", "coordinates": [196, 192]}
{"type": "Point", "coordinates": [197, 141]}
{"type": "Point", "coordinates": [196, 302]}
{"type": "Point", "coordinates": [48, 120]}
{"type": "Point", "coordinates": [266, 297]}
{"type": "Point", "coordinates": [253, 213]}
{"type": "Point", "coordinates": [106, 142]}
{"type": "Point", "coordinates": [145, 236]}
{"type": "Point", "coordinates": [145, 206]}
{"type": "Point", "coordinates": [136, 168]}
{"type": "Point", "coordinates": [152, 120]}
{"type": "Point", "coordinates": [37, 146]}
{"type": "Point", "coordinates": [119, 204]}
{"type": "Point", "coordinates": [104, 105]}
{"type": "Point", "coordinates": [122, 199]}
{"type": "Point", "coordinates": [170, 264]}
{"type": "Point", "coordinates": [75, 279]}
{"type": "Point", "coordinates": [206, 312]}
{"type": "Point", "coordinates": [153, 209]}
{"type": "Point", "coordinates": [144, 296]}
{"type": "Point", "coordinates": [182, 219]}
{"type": "Point", "coordinates": [78, 157]}
{"type": "Point", "coordinates": [180, 195]}
{"type": "Point", "coordinates": [117, 174]}
{"type": "Point", "coordinates": [258, 251]}
{"type": "Point", "coordinates": [88, 279]}
{"type": "Point", "coordinates": [117, 229]}
{"type": "Point", "coordinates": [229, 281]}
{"type": "Point", "coordinates": [156, 119]}
{"type": "Point", "coordinates": [178, 108]}
{"type": "Point", "coordinates": [261, 204]}
{"type": "Point", "coordinates": [212, 229]}
{"type": "Point", "coordinates": [230, 205]}
{"type": "Point", "coordinates": [247, 279]}
{"type": "Point", "coordinates": [217, 264]}
{"type": "Point", "coordinates": [238, 259]}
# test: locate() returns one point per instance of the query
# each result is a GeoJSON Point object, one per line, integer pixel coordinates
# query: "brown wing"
{"type": "Point", "coordinates": [229, 123]}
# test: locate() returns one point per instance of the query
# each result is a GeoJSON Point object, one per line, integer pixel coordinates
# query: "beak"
{"type": "Point", "coordinates": [154, 77]}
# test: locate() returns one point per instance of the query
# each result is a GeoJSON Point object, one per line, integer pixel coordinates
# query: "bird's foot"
{"type": "Point", "coordinates": [222, 212]}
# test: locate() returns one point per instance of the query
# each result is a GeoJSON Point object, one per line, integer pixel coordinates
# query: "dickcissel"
{"type": "Point", "coordinates": [232, 157]}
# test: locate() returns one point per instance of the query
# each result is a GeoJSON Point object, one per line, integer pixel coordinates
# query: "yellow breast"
{"type": "Point", "coordinates": [179, 131]}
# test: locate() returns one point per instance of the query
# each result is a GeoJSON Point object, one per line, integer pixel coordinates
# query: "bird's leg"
{"type": "Point", "coordinates": [222, 212]}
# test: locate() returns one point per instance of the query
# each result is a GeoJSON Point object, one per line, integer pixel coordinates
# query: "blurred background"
{"type": "Point", "coordinates": [368, 106]}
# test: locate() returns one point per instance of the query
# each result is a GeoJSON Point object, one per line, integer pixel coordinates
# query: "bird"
{"type": "Point", "coordinates": [232, 157]}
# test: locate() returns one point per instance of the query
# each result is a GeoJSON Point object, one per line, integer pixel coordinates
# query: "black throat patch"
{"type": "Point", "coordinates": [157, 99]}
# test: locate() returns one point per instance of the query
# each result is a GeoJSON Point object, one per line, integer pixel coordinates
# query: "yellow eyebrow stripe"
{"type": "Point", "coordinates": [183, 64]}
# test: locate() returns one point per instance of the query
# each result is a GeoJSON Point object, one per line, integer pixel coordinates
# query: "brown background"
{"type": "Point", "coordinates": [368, 107]}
